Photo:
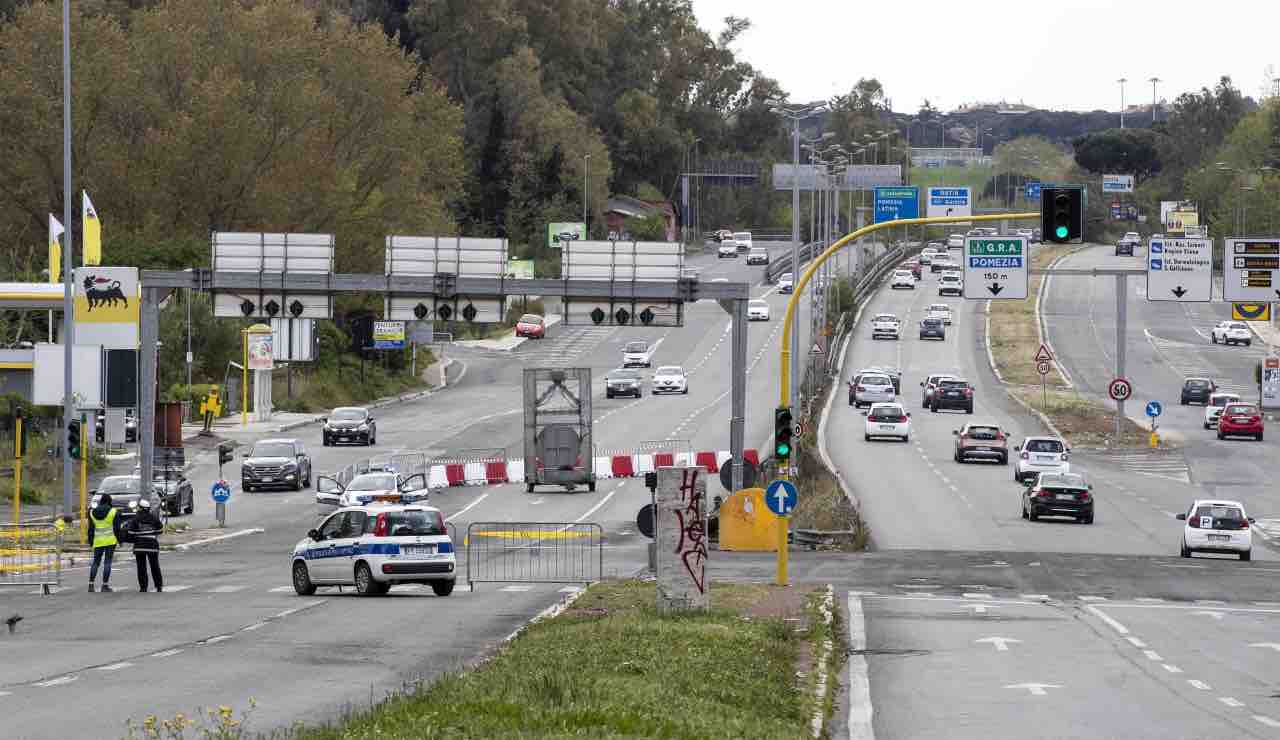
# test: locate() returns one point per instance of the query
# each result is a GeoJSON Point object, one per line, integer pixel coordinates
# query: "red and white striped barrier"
{"type": "Point", "coordinates": [493, 471]}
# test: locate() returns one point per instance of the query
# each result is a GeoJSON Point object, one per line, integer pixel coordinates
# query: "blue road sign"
{"type": "Point", "coordinates": [781, 497]}
{"type": "Point", "coordinates": [892, 203]}
{"type": "Point", "coordinates": [1154, 409]}
{"type": "Point", "coordinates": [1033, 191]}
{"type": "Point", "coordinates": [221, 492]}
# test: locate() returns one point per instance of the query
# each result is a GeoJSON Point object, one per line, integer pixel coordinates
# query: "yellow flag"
{"type": "Point", "coordinates": [55, 250]}
{"type": "Point", "coordinates": [92, 234]}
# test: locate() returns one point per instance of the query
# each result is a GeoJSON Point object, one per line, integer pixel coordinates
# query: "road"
{"type": "Point", "coordinates": [228, 627]}
{"type": "Point", "coordinates": [976, 619]}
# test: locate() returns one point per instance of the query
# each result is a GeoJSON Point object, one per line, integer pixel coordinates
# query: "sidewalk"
{"type": "Point", "coordinates": [1267, 332]}
{"type": "Point", "coordinates": [506, 344]}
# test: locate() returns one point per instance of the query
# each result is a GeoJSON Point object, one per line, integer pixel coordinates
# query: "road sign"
{"type": "Point", "coordinates": [1251, 270]}
{"type": "Point", "coordinates": [1044, 355]}
{"type": "Point", "coordinates": [1033, 191]}
{"type": "Point", "coordinates": [221, 492]}
{"type": "Point", "coordinates": [1251, 311]}
{"type": "Point", "coordinates": [995, 267]}
{"type": "Point", "coordinates": [1117, 183]}
{"type": "Point", "coordinates": [895, 203]}
{"type": "Point", "coordinates": [748, 475]}
{"type": "Point", "coordinates": [799, 429]}
{"type": "Point", "coordinates": [388, 335]}
{"type": "Point", "coordinates": [644, 520]}
{"type": "Point", "coordinates": [781, 497]}
{"type": "Point", "coordinates": [1154, 409]}
{"type": "Point", "coordinates": [1119, 389]}
{"type": "Point", "coordinates": [817, 349]}
{"type": "Point", "coordinates": [949, 202]}
{"type": "Point", "coordinates": [1180, 270]}
{"type": "Point", "coordinates": [1043, 367]}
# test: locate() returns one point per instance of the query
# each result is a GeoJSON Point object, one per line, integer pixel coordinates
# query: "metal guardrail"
{"type": "Point", "coordinates": [534, 552]}
{"type": "Point", "coordinates": [30, 555]}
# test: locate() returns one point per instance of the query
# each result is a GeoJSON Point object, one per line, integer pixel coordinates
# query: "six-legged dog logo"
{"type": "Point", "coordinates": [102, 291]}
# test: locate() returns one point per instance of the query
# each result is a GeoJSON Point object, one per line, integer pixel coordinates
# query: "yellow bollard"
{"type": "Point", "coordinates": [1155, 440]}
{"type": "Point", "coordinates": [17, 468]}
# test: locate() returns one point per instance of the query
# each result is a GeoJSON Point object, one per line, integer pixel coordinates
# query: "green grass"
{"type": "Point", "coordinates": [614, 667]}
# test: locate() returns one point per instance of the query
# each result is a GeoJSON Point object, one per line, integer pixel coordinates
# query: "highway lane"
{"type": "Point", "coordinates": [1166, 342]}
{"type": "Point", "coordinates": [231, 616]}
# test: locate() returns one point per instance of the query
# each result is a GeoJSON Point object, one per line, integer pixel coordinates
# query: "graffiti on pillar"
{"type": "Point", "coordinates": [681, 538]}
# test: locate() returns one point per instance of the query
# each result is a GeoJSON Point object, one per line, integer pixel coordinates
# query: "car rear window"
{"type": "Point", "coordinates": [1197, 384]}
{"type": "Point", "coordinates": [933, 322]}
{"type": "Point", "coordinates": [1240, 408]}
{"type": "Point", "coordinates": [530, 319]}
{"type": "Point", "coordinates": [953, 384]}
{"type": "Point", "coordinates": [1218, 517]}
{"type": "Point", "coordinates": [885, 413]}
{"type": "Point", "coordinates": [886, 317]}
{"type": "Point", "coordinates": [409, 523]}
{"type": "Point", "coordinates": [875, 380]}
{"type": "Point", "coordinates": [1044, 445]}
{"type": "Point", "coordinates": [983, 432]}
{"type": "Point", "coordinates": [1237, 326]}
{"type": "Point", "coordinates": [1222, 400]}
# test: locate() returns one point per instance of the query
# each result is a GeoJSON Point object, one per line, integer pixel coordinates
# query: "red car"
{"type": "Point", "coordinates": [913, 266]}
{"type": "Point", "coordinates": [529, 325]}
{"type": "Point", "coordinates": [1240, 420]}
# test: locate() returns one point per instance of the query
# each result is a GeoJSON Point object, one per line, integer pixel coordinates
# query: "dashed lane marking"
{"type": "Point", "coordinates": [59, 681]}
{"type": "Point", "coordinates": [1136, 642]}
{"type": "Point", "coordinates": [114, 666]}
{"type": "Point", "coordinates": [225, 589]}
{"type": "Point", "coordinates": [1171, 668]}
{"type": "Point", "coordinates": [1231, 701]}
{"type": "Point", "coordinates": [166, 653]}
{"type": "Point", "coordinates": [214, 640]}
{"type": "Point", "coordinates": [1269, 722]}
{"type": "Point", "coordinates": [515, 589]}
{"type": "Point", "coordinates": [1197, 684]}
{"type": "Point", "coordinates": [1152, 655]}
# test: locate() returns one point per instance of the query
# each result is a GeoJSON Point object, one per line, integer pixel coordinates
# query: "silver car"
{"type": "Point", "coordinates": [872, 388]}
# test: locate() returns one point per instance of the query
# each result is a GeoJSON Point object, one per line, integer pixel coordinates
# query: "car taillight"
{"type": "Point", "coordinates": [1255, 419]}
{"type": "Point", "coordinates": [1244, 523]}
{"type": "Point", "coordinates": [861, 389]}
{"type": "Point", "coordinates": [968, 391]}
{"type": "Point", "coordinates": [1084, 495]}
{"type": "Point", "coordinates": [1044, 494]}
{"type": "Point", "coordinates": [999, 436]}
{"type": "Point", "coordinates": [1193, 522]}
{"type": "Point", "coordinates": [902, 419]}
{"type": "Point", "coordinates": [381, 528]}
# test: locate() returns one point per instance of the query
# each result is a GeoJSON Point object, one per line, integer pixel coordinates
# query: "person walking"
{"type": "Point", "coordinates": [106, 535]}
{"type": "Point", "coordinates": [144, 530]}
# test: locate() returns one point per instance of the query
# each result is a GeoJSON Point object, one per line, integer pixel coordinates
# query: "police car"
{"type": "Point", "coordinates": [381, 486]}
{"type": "Point", "coordinates": [375, 547]}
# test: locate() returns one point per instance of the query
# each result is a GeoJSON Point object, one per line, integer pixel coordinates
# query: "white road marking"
{"type": "Point", "coordinates": [252, 627]}
{"type": "Point", "coordinates": [1093, 598]}
{"type": "Point", "coordinates": [214, 640]}
{"type": "Point", "coordinates": [1034, 597]}
{"type": "Point", "coordinates": [1273, 645]}
{"type": "Point", "coordinates": [6, 693]}
{"type": "Point", "coordinates": [570, 589]}
{"type": "Point", "coordinates": [1001, 643]}
{"type": "Point", "coordinates": [1210, 602]}
{"type": "Point", "coordinates": [1171, 668]}
{"type": "Point", "coordinates": [1120, 628]}
{"type": "Point", "coordinates": [516, 589]}
{"type": "Point", "coordinates": [1217, 616]}
{"type": "Point", "coordinates": [1036, 689]}
{"type": "Point", "coordinates": [1136, 642]}
{"type": "Point", "coordinates": [59, 681]}
{"type": "Point", "coordinates": [598, 506]}
{"type": "Point", "coordinates": [1231, 701]}
{"type": "Point", "coordinates": [114, 666]}
{"type": "Point", "coordinates": [467, 508]}
{"type": "Point", "coordinates": [175, 589]}
{"type": "Point", "coordinates": [1266, 720]}
{"type": "Point", "coordinates": [1149, 599]}
{"type": "Point", "coordinates": [860, 709]}
{"type": "Point", "coordinates": [1199, 684]}
{"type": "Point", "coordinates": [976, 596]}
{"type": "Point", "coordinates": [225, 589]}
{"type": "Point", "coordinates": [166, 653]}
{"type": "Point", "coordinates": [219, 538]}
{"type": "Point", "coordinates": [1152, 655]}
{"type": "Point", "coordinates": [281, 589]}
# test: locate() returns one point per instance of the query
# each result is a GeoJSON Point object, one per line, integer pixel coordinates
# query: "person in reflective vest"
{"type": "Point", "coordinates": [106, 535]}
{"type": "Point", "coordinates": [144, 531]}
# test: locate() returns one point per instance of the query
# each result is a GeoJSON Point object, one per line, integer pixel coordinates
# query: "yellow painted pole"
{"type": "Point", "coordinates": [784, 525]}
{"type": "Point", "coordinates": [17, 470]}
{"type": "Point", "coordinates": [244, 380]}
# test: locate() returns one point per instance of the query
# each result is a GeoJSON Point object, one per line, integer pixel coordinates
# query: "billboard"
{"type": "Point", "coordinates": [260, 354]}
{"type": "Point", "coordinates": [1187, 214]}
{"type": "Point", "coordinates": [107, 303]}
{"type": "Point", "coordinates": [564, 231]}
{"type": "Point", "coordinates": [892, 204]}
{"type": "Point", "coordinates": [388, 335]}
{"type": "Point", "coordinates": [855, 177]}
{"type": "Point", "coordinates": [945, 201]}
{"type": "Point", "coordinates": [1117, 183]}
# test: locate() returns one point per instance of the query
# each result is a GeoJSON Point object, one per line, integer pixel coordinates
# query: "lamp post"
{"type": "Point", "coordinates": [586, 181]}
{"type": "Point", "coordinates": [1153, 82]}
{"type": "Point", "coordinates": [1122, 80]}
{"type": "Point", "coordinates": [68, 306]}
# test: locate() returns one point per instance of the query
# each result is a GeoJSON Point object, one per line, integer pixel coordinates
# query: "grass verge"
{"type": "Point", "coordinates": [1082, 421]}
{"type": "Point", "coordinates": [613, 666]}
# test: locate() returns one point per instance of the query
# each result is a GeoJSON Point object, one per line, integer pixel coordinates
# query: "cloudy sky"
{"type": "Point", "coordinates": [1056, 55]}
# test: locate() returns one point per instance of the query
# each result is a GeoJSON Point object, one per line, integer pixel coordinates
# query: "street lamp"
{"type": "Point", "coordinates": [1153, 82]}
{"type": "Point", "coordinates": [586, 181]}
{"type": "Point", "coordinates": [1122, 80]}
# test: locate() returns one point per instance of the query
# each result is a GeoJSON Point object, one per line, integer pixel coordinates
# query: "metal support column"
{"type": "Point", "coordinates": [1122, 326]}
{"type": "Point", "coordinates": [795, 253]}
{"type": "Point", "coordinates": [149, 331]}
{"type": "Point", "coordinates": [738, 392]}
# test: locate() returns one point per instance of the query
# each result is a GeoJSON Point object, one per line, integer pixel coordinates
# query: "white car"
{"type": "Point", "coordinates": [726, 249]}
{"type": "Point", "coordinates": [872, 388]}
{"type": "Point", "coordinates": [1231, 332]}
{"type": "Point", "coordinates": [757, 310]}
{"type": "Point", "coordinates": [637, 354]}
{"type": "Point", "coordinates": [1213, 409]}
{"type": "Point", "coordinates": [902, 279]}
{"type": "Point", "coordinates": [888, 420]}
{"type": "Point", "coordinates": [670, 379]}
{"type": "Point", "coordinates": [742, 240]}
{"type": "Point", "coordinates": [758, 256]}
{"type": "Point", "coordinates": [374, 548]}
{"type": "Point", "coordinates": [955, 241]}
{"type": "Point", "coordinates": [939, 311]}
{"type": "Point", "coordinates": [951, 283]}
{"type": "Point", "coordinates": [886, 325]}
{"type": "Point", "coordinates": [1028, 233]}
{"type": "Point", "coordinates": [926, 255]}
{"type": "Point", "coordinates": [1041, 455]}
{"type": "Point", "coordinates": [786, 283]}
{"type": "Point", "coordinates": [382, 486]}
{"type": "Point", "coordinates": [1217, 526]}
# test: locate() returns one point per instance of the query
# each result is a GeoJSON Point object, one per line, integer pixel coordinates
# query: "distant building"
{"type": "Point", "coordinates": [623, 208]}
{"type": "Point", "coordinates": [1003, 108]}
{"type": "Point", "coordinates": [936, 156]}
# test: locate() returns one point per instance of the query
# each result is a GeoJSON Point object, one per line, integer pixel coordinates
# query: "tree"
{"type": "Point", "coordinates": [1125, 151]}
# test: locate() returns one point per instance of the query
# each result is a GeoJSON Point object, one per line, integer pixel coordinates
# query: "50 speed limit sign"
{"type": "Point", "coordinates": [1120, 389]}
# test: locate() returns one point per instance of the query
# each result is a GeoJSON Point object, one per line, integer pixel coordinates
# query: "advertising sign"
{"type": "Point", "coordinates": [1251, 270]}
{"type": "Point", "coordinates": [388, 335]}
{"type": "Point", "coordinates": [892, 204]}
{"type": "Point", "coordinates": [106, 306]}
{"type": "Point", "coordinates": [949, 202]}
{"type": "Point", "coordinates": [1271, 382]}
{"type": "Point", "coordinates": [565, 231]}
{"type": "Point", "coordinates": [1180, 270]}
{"type": "Point", "coordinates": [1117, 183]}
{"type": "Point", "coordinates": [864, 176]}
{"type": "Point", "coordinates": [1176, 215]}
{"type": "Point", "coordinates": [261, 353]}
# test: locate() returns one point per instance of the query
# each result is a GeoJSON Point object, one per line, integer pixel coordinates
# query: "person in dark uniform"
{"type": "Point", "coordinates": [144, 531]}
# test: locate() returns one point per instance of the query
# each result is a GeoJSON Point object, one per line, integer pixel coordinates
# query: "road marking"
{"type": "Point", "coordinates": [59, 681]}
{"type": "Point", "coordinates": [1034, 597]}
{"type": "Point", "coordinates": [1036, 689]}
{"type": "Point", "coordinates": [860, 709]}
{"type": "Point", "coordinates": [1136, 642]}
{"type": "Point", "coordinates": [175, 589]}
{"type": "Point", "coordinates": [1149, 599]}
{"type": "Point", "coordinates": [1231, 701]}
{"type": "Point", "coordinates": [1216, 615]}
{"type": "Point", "coordinates": [467, 508]}
{"type": "Point", "coordinates": [570, 589]}
{"type": "Point", "coordinates": [597, 507]}
{"type": "Point", "coordinates": [1001, 643]}
{"type": "Point", "coordinates": [225, 589]}
{"type": "Point", "coordinates": [1152, 655]}
{"type": "Point", "coordinates": [1266, 720]}
{"type": "Point", "coordinates": [165, 653]}
{"type": "Point", "coordinates": [979, 609]}
{"type": "Point", "coordinates": [6, 693]}
{"type": "Point", "coordinates": [214, 640]}
{"type": "Point", "coordinates": [1273, 645]}
{"type": "Point", "coordinates": [1092, 598]}
{"type": "Point", "coordinates": [1172, 668]}
{"type": "Point", "coordinates": [1199, 684]}
{"type": "Point", "coordinates": [281, 589]}
{"type": "Point", "coordinates": [114, 666]}
{"type": "Point", "coordinates": [515, 589]}
{"type": "Point", "coordinates": [219, 538]}
{"type": "Point", "coordinates": [252, 627]}
{"type": "Point", "coordinates": [1209, 602]}
{"type": "Point", "coordinates": [1120, 628]}
{"type": "Point", "coordinates": [976, 596]}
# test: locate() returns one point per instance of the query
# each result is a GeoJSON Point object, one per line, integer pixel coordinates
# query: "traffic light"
{"type": "Point", "coordinates": [73, 439]}
{"type": "Point", "coordinates": [1062, 214]}
{"type": "Point", "coordinates": [782, 435]}
{"type": "Point", "coordinates": [225, 454]}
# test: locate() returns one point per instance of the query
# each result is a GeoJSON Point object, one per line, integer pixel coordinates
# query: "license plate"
{"type": "Point", "coordinates": [1219, 538]}
{"type": "Point", "coordinates": [418, 550]}
{"type": "Point", "coordinates": [268, 480]}
{"type": "Point", "coordinates": [886, 427]}
{"type": "Point", "coordinates": [982, 449]}
{"type": "Point", "coordinates": [1065, 497]}
{"type": "Point", "coordinates": [1044, 458]}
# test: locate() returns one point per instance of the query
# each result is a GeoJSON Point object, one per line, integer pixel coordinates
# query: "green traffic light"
{"type": "Point", "coordinates": [784, 450]}
{"type": "Point", "coordinates": [1062, 232]}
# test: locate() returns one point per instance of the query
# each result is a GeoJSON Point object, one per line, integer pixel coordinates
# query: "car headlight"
{"type": "Point", "coordinates": [290, 466]}
{"type": "Point", "coordinates": [364, 426]}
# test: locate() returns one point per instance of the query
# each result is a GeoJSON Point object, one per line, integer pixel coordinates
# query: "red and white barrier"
{"type": "Point", "coordinates": [495, 471]}
{"type": "Point", "coordinates": [515, 470]}
{"type": "Point", "coordinates": [437, 478]}
{"type": "Point", "coordinates": [474, 473]}
{"type": "Point", "coordinates": [622, 467]}
{"type": "Point", "coordinates": [456, 473]}
{"type": "Point", "coordinates": [604, 467]}
{"type": "Point", "coordinates": [707, 461]}
{"type": "Point", "coordinates": [642, 463]}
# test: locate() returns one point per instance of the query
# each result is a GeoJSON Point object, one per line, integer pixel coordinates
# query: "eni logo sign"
{"type": "Point", "coordinates": [103, 291]}
{"type": "Point", "coordinates": [1251, 311]}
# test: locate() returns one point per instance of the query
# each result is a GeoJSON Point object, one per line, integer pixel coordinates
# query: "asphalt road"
{"type": "Point", "coordinates": [229, 628]}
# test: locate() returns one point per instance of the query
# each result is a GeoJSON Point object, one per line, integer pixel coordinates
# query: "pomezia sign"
{"type": "Point", "coordinates": [995, 268]}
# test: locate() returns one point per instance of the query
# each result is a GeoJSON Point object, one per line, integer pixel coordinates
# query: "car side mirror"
{"type": "Point", "coordinates": [1252, 520]}
{"type": "Point", "coordinates": [315, 535]}
{"type": "Point", "coordinates": [324, 420]}
{"type": "Point", "coordinates": [922, 385]}
{"type": "Point", "coordinates": [955, 432]}
{"type": "Point", "coordinates": [1017, 448]}
{"type": "Point", "coordinates": [908, 414]}
{"type": "Point", "coordinates": [864, 413]}
{"type": "Point", "coordinates": [1181, 517]}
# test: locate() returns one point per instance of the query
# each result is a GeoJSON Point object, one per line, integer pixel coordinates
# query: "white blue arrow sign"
{"type": "Point", "coordinates": [781, 497]}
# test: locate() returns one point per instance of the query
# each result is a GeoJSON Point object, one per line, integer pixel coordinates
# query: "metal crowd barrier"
{"type": "Point", "coordinates": [534, 552]}
{"type": "Point", "coordinates": [30, 555]}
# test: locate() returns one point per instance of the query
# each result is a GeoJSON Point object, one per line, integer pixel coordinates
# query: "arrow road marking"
{"type": "Point", "coordinates": [1215, 615]}
{"type": "Point", "coordinates": [1036, 689]}
{"type": "Point", "coordinates": [1273, 645]}
{"type": "Point", "coordinates": [981, 608]}
{"type": "Point", "coordinates": [1001, 643]}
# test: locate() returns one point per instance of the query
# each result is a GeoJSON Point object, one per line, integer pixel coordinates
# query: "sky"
{"type": "Point", "coordinates": [1064, 55]}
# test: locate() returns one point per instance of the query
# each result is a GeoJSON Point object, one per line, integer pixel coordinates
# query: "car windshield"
{"type": "Point", "coordinates": [637, 347]}
{"type": "Point", "coordinates": [409, 523]}
{"type": "Point", "coordinates": [272, 449]}
{"type": "Point", "coordinates": [786, 276]}
{"type": "Point", "coordinates": [373, 482]}
{"type": "Point", "coordinates": [1239, 326]}
{"type": "Point", "coordinates": [983, 432]}
{"type": "Point", "coordinates": [530, 319]}
{"type": "Point", "coordinates": [347, 414]}
{"type": "Point", "coordinates": [1220, 401]}
{"type": "Point", "coordinates": [1043, 445]}
{"type": "Point", "coordinates": [623, 375]}
{"type": "Point", "coordinates": [119, 484]}
{"type": "Point", "coordinates": [669, 371]}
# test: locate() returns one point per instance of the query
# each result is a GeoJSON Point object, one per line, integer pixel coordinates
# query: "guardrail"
{"type": "Point", "coordinates": [30, 555]}
{"type": "Point", "coordinates": [534, 552]}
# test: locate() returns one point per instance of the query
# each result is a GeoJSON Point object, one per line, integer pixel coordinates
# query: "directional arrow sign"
{"type": "Point", "coordinates": [995, 268]}
{"type": "Point", "coordinates": [1273, 645]}
{"type": "Point", "coordinates": [1251, 269]}
{"type": "Point", "coordinates": [1001, 643]}
{"type": "Point", "coordinates": [1036, 689]}
{"type": "Point", "coordinates": [1180, 270]}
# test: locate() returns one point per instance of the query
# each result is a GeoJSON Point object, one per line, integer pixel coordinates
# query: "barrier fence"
{"type": "Point", "coordinates": [30, 555]}
{"type": "Point", "coordinates": [534, 552]}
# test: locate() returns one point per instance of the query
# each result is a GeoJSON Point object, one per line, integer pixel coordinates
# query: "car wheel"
{"type": "Point", "coordinates": [957, 456]}
{"type": "Point", "coordinates": [373, 440]}
{"type": "Point", "coordinates": [1220, 436]}
{"type": "Point", "coordinates": [866, 437]}
{"type": "Point", "coordinates": [906, 438]}
{"type": "Point", "coordinates": [1248, 342]}
{"type": "Point", "coordinates": [247, 488]}
{"type": "Point", "coordinates": [1185, 551]}
{"type": "Point", "coordinates": [1032, 515]}
{"type": "Point", "coordinates": [442, 588]}
{"type": "Point", "coordinates": [324, 440]}
{"type": "Point", "coordinates": [365, 585]}
{"type": "Point", "coordinates": [191, 505]}
{"type": "Point", "coordinates": [306, 482]}
{"type": "Point", "coordinates": [1088, 518]}
{"type": "Point", "coordinates": [1206, 425]}
{"type": "Point", "coordinates": [297, 485]}
{"type": "Point", "coordinates": [934, 408]}
{"type": "Point", "coordinates": [302, 579]}
{"type": "Point", "coordinates": [1004, 460]}
{"type": "Point", "coordinates": [528, 488]}
{"type": "Point", "coordinates": [1246, 555]}
{"type": "Point", "coordinates": [685, 391]}
{"type": "Point", "coordinates": [608, 394]}
{"type": "Point", "coordinates": [1213, 339]}
{"type": "Point", "coordinates": [1024, 510]}
{"type": "Point", "coordinates": [1259, 436]}
{"type": "Point", "coordinates": [969, 409]}
{"type": "Point", "coordinates": [591, 486]}
{"type": "Point", "coordinates": [1182, 401]}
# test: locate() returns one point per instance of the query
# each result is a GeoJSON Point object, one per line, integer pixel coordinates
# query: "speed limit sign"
{"type": "Point", "coordinates": [1043, 368]}
{"type": "Point", "coordinates": [1120, 389]}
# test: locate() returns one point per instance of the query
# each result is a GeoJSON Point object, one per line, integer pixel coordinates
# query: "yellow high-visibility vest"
{"type": "Point", "coordinates": [104, 533]}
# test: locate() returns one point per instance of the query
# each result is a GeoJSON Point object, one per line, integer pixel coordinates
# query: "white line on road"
{"type": "Point", "coordinates": [175, 589]}
{"type": "Point", "coordinates": [1001, 643]}
{"type": "Point", "coordinates": [570, 589]}
{"type": "Point", "coordinates": [281, 589]}
{"type": "Point", "coordinates": [166, 653]}
{"type": "Point", "coordinates": [219, 538]}
{"type": "Point", "coordinates": [1171, 668]}
{"type": "Point", "coordinates": [1152, 655]}
{"type": "Point", "coordinates": [1197, 684]}
{"type": "Point", "coordinates": [1148, 599]}
{"type": "Point", "coordinates": [467, 508]}
{"type": "Point", "coordinates": [214, 640]}
{"type": "Point", "coordinates": [1266, 720]}
{"type": "Point", "coordinates": [1093, 598]}
{"type": "Point", "coordinates": [1136, 642]}
{"type": "Point", "coordinates": [252, 627]}
{"type": "Point", "coordinates": [516, 589]}
{"type": "Point", "coordinates": [225, 589]}
{"type": "Point", "coordinates": [1231, 701]}
{"type": "Point", "coordinates": [1034, 597]}
{"type": "Point", "coordinates": [59, 681]}
{"type": "Point", "coordinates": [1120, 628]}
{"type": "Point", "coordinates": [597, 507]}
{"type": "Point", "coordinates": [1036, 689]}
{"type": "Point", "coordinates": [860, 709]}
{"type": "Point", "coordinates": [114, 666]}
{"type": "Point", "coordinates": [977, 596]}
